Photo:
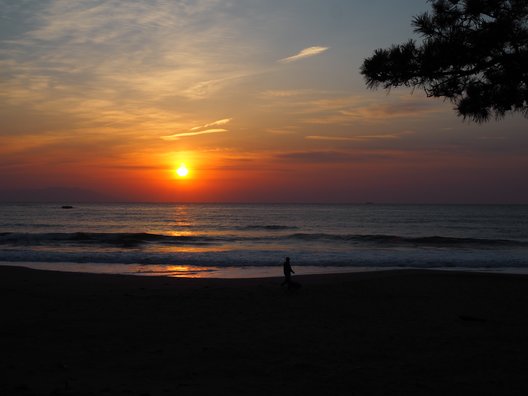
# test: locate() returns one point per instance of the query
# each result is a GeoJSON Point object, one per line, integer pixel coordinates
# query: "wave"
{"type": "Point", "coordinates": [132, 240]}
{"type": "Point", "coordinates": [241, 258]}
{"type": "Point", "coordinates": [272, 227]}
{"type": "Point", "coordinates": [116, 239]}
{"type": "Point", "coordinates": [393, 241]}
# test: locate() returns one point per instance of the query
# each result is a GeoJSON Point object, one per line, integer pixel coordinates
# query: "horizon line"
{"type": "Point", "coordinates": [364, 203]}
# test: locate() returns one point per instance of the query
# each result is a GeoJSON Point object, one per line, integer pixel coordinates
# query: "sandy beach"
{"type": "Point", "coordinates": [383, 333]}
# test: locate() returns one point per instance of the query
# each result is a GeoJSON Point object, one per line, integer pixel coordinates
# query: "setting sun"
{"type": "Point", "coordinates": [182, 171]}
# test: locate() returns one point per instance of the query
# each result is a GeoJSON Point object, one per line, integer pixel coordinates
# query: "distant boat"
{"type": "Point", "coordinates": [67, 207]}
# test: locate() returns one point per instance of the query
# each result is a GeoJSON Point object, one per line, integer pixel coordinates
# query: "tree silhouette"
{"type": "Point", "coordinates": [472, 52]}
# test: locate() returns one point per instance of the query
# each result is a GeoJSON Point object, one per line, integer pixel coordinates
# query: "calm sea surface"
{"type": "Point", "coordinates": [233, 239]}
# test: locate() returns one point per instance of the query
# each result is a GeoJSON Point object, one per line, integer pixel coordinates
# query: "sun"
{"type": "Point", "coordinates": [182, 171]}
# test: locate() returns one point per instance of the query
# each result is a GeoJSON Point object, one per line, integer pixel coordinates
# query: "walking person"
{"type": "Point", "coordinates": [286, 266]}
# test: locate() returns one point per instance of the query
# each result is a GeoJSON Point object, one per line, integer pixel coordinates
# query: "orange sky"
{"type": "Point", "coordinates": [262, 101]}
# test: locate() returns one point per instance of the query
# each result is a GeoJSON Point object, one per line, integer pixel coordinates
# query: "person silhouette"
{"type": "Point", "coordinates": [286, 266]}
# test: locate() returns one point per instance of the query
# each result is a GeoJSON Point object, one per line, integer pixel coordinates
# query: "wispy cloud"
{"type": "Point", "coordinates": [105, 63]}
{"type": "Point", "coordinates": [285, 93]}
{"type": "Point", "coordinates": [332, 156]}
{"type": "Point", "coordinates": [177, 136]}
{"type": "Point", "coordinates": [332, 138]}
{"type": "Point", "coordinates": [204, 129]}
{"type": "Point", "coordinates": [402, 106]}
{"type": "Point", "coordinates": [350, 110]}
{"type": "Point", "coordinates": [286, 130]}
{"type": "Point", "coordinates": [305, 53]}
{"type": "Point", "coordinates": [215, 123]}
{"type": "Point", "coordinates": [355, 138]}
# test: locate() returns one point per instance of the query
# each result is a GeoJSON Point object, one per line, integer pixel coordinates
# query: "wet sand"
{"type": "Point", "coordinates": [382, 333]}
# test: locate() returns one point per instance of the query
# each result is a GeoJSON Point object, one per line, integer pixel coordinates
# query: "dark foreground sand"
{"type": "Point", "coordinates": [387, 333]}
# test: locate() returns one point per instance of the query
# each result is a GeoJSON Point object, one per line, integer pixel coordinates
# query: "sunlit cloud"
{"type": "Point", "coordinates": [334, 107]}
{"type": "Point", "coordinates": [402, 107]}
{"type": "Point", "coordinates": [287, 130]}
{"type": "Point", "coordinates": [332, 138]}
{"type": "Point", "coordinates": [354, 138]}
{"type": "Point", "coordinates": [284, 93]}
{"type": "Point", "coordinates": [177, 136]}
{"type": "Point", "coordinates": [349, 110]}
{"type": "Point", "coordinates": [204, 129]}
{"type": "Point", "coordinates": [215, 123]}
{"type": "Point", "coordinates": [117, 64]}
{"type": "Point", "coordinates": [305, 53]}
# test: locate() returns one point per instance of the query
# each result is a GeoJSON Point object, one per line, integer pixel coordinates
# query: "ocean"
{"type": "Point", "coordinates": [247, 240]}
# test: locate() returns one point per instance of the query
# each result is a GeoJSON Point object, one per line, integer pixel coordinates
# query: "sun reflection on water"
{"type": "Point", "coordinates": [177, 271]}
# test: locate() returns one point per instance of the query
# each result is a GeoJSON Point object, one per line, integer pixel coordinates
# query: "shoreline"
{"type": "Point", "coordinates": [371, 333]}
{"type": "Point", "coordinates": [235, 272]}
{"type": "Point", "coordinates": [189, 271]}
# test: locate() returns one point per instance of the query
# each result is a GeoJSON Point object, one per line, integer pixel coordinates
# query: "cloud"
{"type": "Point", "coordinates": [274, 93]}
{"type": "Point", "coordinates": [103, 64]}
{"type": "Point", "coordinates": [315, 156]}
{"type": "Point", "coordinates": [305, 53]}
{"type": "Point", "coordinates": [400, 106]}
{"type": "Point", "coordinates": [341, 110]}
{"type": "Point", "coordinates": [355, 138]}
{"type": "Point", "coordinates": [215, 123]}
{"type": "Point", "coordinates": [332, 138]}
{"type": "Point", "coordinates": [177, 136]}
{"type": "Point", "coordinates": [287, 130]}
{"type": "Point", "coordinates": [201, 130]}
{"type": "Point", "coordinates": [335, 157]}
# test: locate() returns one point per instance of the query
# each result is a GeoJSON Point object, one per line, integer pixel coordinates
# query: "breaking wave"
{"type": "Point", "coordinates": [137, 239]}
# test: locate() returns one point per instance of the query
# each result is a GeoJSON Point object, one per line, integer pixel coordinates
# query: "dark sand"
{"type": "Point", "coordinates": [386, 333]}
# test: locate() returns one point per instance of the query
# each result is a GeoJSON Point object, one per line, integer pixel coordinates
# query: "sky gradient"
{"type": "Point", "coordinates": [262, 100]}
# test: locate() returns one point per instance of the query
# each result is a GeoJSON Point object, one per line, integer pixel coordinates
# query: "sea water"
{"type": "Point", "coordinates": [234, 240]}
